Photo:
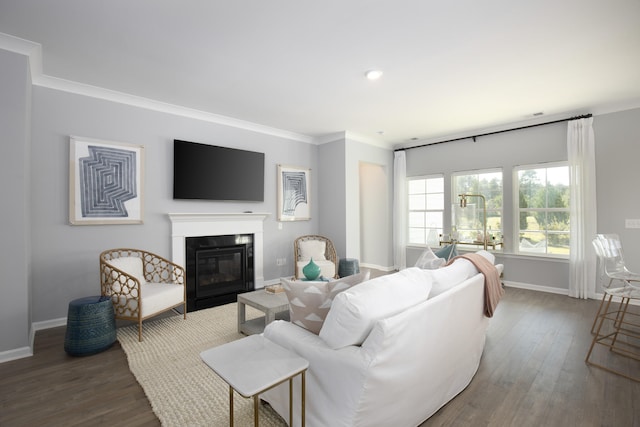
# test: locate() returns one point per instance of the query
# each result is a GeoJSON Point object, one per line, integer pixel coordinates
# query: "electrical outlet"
{"type": "Point", "coordinates": [632, 223]}
{"type": "Point", "coordinates": [281, 261]}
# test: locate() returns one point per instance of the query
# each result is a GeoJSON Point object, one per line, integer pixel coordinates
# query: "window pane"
{"type": "Point", "coordinates": [417, 186]}
{"type": "Point", "coordinates": [416, 219]}
{"type": "Point", "coordinates": [417, 236]}
{"type": "Point", "coordinates": [435, 201]}
{"type": "Point", "coordinates": [558, 243]}
{"type": "Point", "coordinates": [435, 185]}
{"type": "Point", "coordinates": [533, 243]}
{"type": "Point", "coordinates": [434, 219]}
{"type": "Point", "coordinates": [416, 203]}
{"type": "Point", "coordinates": [531, 182]}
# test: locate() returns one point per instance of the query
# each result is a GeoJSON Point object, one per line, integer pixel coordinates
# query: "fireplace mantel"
{"type": "Point", "coordinates": [185, 225]}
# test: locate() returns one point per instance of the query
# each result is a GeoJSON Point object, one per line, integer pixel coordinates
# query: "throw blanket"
{"type": "Point", "coordinates": [492, 286]}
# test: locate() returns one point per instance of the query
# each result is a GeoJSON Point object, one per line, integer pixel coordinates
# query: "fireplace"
{"type": "Point", "coordinates": [218, 268]}
{"type": "Point", "coordinates": [217, 253]}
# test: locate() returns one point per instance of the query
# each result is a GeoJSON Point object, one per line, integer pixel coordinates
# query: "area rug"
{"type": "Point", "coordinates": [183, 391]}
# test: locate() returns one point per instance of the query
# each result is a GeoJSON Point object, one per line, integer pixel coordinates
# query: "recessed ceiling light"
{"type": "Point", "coordinates": [373, 74]}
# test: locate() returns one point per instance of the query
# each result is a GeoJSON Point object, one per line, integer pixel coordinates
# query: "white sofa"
{"type": "Point", "coordinates": [406, 365]}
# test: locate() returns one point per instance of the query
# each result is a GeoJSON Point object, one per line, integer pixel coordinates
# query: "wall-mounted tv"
{"type": "Point", "coordinates": [210, 172]}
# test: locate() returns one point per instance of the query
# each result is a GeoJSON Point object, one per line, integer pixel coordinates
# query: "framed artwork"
{"type": "Point", "coordinates": [105, 182]}
{"type": "Point", "coordinates": [293, 194]}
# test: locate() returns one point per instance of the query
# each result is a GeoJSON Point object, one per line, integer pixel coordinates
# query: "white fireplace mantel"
{"type": "Point", "coordinates": [185, 225]}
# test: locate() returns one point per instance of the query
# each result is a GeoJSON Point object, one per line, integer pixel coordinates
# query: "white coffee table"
{"type": "Point", "coordinates": [270, 304]}
{"type": "Point", "coordinates": [253, 365]}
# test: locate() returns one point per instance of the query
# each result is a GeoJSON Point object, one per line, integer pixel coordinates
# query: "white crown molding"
{"type": "Point", "coordinates": [34, 53]}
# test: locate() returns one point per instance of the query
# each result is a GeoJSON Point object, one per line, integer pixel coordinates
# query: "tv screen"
{"type": "Point", "coordinates": [209, 172]}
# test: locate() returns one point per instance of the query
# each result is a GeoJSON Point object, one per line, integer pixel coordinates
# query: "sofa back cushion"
{"type": "Point", "coordinates": [309, 302]}
{"type": "Point", "coordinates": [445, 278]}
{"type": "Point", "coordinates": [132, 265]}
{"type": "Point", "coordinates": [354, 311]}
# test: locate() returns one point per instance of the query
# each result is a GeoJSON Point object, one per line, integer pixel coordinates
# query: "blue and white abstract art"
{"type": "Point", "coordinates": [293, 194]}
{"type": "Point", "coordinates": [105, 182]}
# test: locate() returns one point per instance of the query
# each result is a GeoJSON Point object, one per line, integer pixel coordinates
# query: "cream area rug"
{"type": "Point", "coordinates": [182, 389]}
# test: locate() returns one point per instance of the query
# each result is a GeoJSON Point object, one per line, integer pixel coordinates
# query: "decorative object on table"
{"type": "Point", "coordinates": [274, 289]}
{"type": "Point", "coordinates": [293, 193]}
{"type": "Point", "coordinates": [348, 267]}
{"type": "Point", "coordinates": [319, 248]}
{"type": "Point", "coordinates": [91, 326]}
{"type": "Point", "coordinates": [482, 238]}
{"type": "Point", "coordinates": [105, 182]}
{"type": "Point", "coordinates": [447, 252]}
{"type": "Point", "coordinates": [311, 271]}
{"type": "Point", "coordinates": [141, 284]}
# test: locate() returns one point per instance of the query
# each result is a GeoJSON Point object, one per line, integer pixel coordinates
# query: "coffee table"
{"type": "Point", "coordinates": [253, 365]}
{"type": "Point", "coordinates": [272, 305]}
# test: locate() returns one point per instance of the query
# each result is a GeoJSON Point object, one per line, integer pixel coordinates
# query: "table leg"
{"type": "Point", "coordinates": [255, 410]}
{"type": "Point", "coordinates": [241, 315]}
{"type": "Point", "coordinates": [291, 401]}
{"type": "Point", "coordinates": [269, 316]}
{"type": "Point", "coordinates": [230, 406]}
{"type": "Point", "coordinates": [302, 414]}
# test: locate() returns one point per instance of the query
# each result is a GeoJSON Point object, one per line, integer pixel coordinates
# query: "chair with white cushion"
{"type": "Point", "coordinates": [141, 284]}
{"type": "Point", "coordinates": [318, 248]}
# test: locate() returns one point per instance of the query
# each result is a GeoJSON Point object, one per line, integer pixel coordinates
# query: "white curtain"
{"type": "Point", "coordinates": [399, 210]}
{"type": "Point", "coordinates": [582, 169]}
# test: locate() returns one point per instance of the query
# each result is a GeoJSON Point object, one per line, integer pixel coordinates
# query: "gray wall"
{"type": "Point", "coordinates": [15, 281]}
{"type": "Point", "coordinates": [617, 138]}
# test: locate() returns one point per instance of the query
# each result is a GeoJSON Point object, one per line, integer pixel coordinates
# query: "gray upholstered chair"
{"type": "Point", "coordinates": [322, 251]}
{"type": "Point", "coordinates": [141, 284]}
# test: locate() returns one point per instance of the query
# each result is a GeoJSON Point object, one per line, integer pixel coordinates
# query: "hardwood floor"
{"type": "Point", "coordinates": [532, 374]}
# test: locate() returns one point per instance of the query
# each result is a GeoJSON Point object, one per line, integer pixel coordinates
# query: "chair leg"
{"type": "Point", "coordinates": [140, 331]}
{"type": "Point", "coordinates": [595, 320]}
{"type": "Point", "coordinates": [184, 310]}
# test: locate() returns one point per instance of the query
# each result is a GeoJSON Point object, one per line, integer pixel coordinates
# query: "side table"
{"type": "Point", "coordinates": [270, 304]}
{"type": "Point", "coordinates": [253, 365]}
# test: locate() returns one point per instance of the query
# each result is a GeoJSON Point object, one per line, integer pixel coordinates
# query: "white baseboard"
{"type": "Point", "coordinates": [529, 286]}
{"type": "Point", "coordinates": [16, 353]}
{"type": "Point", "coordinates": [377, 267]}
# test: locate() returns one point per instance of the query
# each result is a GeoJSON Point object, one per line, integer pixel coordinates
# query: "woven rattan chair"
{"type": "Point", "coordinates": [141, 284]}
{"type": "Point", "coordinates": [303, 248]}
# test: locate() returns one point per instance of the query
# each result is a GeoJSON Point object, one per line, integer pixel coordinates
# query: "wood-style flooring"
{"type": "Point", "coordinates": [532, 374]}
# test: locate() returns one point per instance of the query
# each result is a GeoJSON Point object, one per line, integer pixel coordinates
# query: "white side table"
{"type": "Point", "coordinates": [253, 365]}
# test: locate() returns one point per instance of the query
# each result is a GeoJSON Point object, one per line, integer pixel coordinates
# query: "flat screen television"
{"type": "Point", "coordinates": [210, 172]}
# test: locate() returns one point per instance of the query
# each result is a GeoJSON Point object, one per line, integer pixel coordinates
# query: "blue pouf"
{"type": "Point", "coordinates": [91, 326]}
{"type": "Point", "coordinates": [348, 267]}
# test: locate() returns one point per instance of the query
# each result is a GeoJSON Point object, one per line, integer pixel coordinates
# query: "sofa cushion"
{"type": "Point", "coordinates": [453, 274]}
{"type": "Point", "coordinates": [355, 311]}
{"type": "Point", "coordinates": [308, 249]}
{"type": "Point", "coordinates": [309, 302]}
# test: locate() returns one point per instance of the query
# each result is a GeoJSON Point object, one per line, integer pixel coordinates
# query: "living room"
{"type": "Point", "coordinates": [47, 262]}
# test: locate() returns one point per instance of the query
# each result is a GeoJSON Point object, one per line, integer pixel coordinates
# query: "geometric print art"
{"type": "Point", "coordinates": [294, 189]}
{"type": "Point", "coordinates": [107, 180]}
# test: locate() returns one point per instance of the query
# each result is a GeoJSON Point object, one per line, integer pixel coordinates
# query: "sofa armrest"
{"type": "Point", "coordinates": [335, 396]}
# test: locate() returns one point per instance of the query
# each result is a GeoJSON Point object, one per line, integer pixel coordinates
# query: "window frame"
{"type": "Point", "coordinates": [517, 208]}
{"type": "Point", "coordinates": [442, 211]}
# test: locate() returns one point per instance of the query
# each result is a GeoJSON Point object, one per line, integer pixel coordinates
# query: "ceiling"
{"type": "Point", "coordinates": [298, 65]}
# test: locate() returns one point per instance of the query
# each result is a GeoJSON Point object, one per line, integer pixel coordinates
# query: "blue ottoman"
{"type": "Point", "coordinates": [91, 326]}
{"type": "Point", "coordinates": [348, 267]}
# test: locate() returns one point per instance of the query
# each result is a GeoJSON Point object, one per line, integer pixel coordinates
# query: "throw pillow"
{"type": "Point", "coordinates": [429, 260]}
{"type": "Point", "coordinates": [309, 302]}
{"type": "Point", "coordinates": [447, 252]}
{"type": "Point", "coordinates": [455, 273]}
{"type": "Point", "coordinates": [355, 311]}
{"type": "Point", "coordinates": [308, 249]}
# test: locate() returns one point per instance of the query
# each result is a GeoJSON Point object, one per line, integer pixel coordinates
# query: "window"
{"type": "Point", "coordinates": [469, 221]}
{"type": "Point", "coordinates": [543, 209]}
{"type": "Point", "coordinates": [426, 209]}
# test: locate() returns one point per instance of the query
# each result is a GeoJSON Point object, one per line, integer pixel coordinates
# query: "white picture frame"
{"type": "Point", "coordinates": [105, 182]}
{"type": "Point", "coordinates": [294, 200]}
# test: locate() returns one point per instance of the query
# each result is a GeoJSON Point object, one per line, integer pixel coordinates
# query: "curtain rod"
{"type": "Point", "coordinates": [584, 116]}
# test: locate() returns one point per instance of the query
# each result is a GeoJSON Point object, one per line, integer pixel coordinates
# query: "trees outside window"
{"type": "Point", "coordinates": [543, 209]}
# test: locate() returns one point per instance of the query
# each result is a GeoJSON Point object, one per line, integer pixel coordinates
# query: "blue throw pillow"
{"type": "Point", "coordinates": [446, 252]}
